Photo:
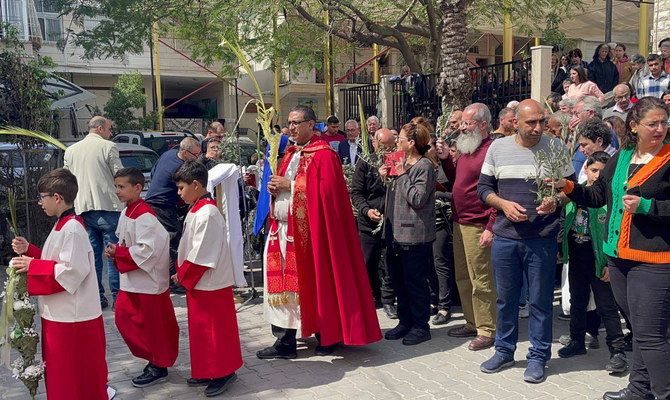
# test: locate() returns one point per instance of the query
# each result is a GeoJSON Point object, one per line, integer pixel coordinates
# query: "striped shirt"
{"type": "Point", "coordinates": [509, 171]}
{"type": "Point", "coordinates": [650, 86]}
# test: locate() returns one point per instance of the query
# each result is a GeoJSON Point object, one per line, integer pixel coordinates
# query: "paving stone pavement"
{"type": "Point", "coordinates": [442, 368]}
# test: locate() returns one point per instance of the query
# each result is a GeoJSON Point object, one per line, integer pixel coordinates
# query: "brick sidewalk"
{"type": "Point", "coordinates": [442, 368]}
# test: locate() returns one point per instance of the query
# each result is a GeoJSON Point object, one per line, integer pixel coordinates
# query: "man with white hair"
{"type": "Point", "coordinates": [473, 229]}
{"type": "Point", "coordinates": [349, 149]}
{"type": "Point", "coordinates": [373, 125]}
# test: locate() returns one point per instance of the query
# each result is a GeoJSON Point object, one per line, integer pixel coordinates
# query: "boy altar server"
{"type": "Point", "coordinates": [205, 270]}
{"type": "Point", "coordinates": [62, 276]}
{"type": "Point", "coordinates": [144, 313]}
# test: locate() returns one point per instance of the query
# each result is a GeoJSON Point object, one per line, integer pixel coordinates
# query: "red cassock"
{"type": "Point", "coordinates": [335, 296]}
{"type": "Point", "coordinates": [144, 313]}
{"type": "Point", "coordinates": [63, 278]}
{"type": "Point", "coordinates": [205, 270]}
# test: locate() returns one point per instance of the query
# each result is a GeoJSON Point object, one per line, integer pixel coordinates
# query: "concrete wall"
{"type": "Point", "coordinates": [661, 27]}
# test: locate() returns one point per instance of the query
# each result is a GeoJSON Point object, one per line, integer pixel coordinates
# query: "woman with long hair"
{"type": "Point", "coordinates": [622, 64]}
{"type": "Point", "coordinates": [581, 86]}
{"type": "Point", "coordinates": [558, 74]}
{"type": "Point", "coordinates": [635, 186]}
{"type": "Point", "coordinates": [617, 125]}
{"type": "Point", "coordinates": [602, 70]}
{"type": "Point", "coordinates": [409, 232]}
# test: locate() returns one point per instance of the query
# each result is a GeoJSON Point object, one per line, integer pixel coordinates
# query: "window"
{"type": "Point", "coordinates": [45, 6]}
{"type": "Point", "coordinates": [51, 28]}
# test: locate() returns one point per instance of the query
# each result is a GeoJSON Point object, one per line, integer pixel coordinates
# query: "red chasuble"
{"type": "Point", "coordinates": [144, 313]}
{"type": "Point", "coordinates": [333, 287]}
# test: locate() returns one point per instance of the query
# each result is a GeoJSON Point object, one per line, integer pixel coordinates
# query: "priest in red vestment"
{"type": "Point", "coordinates": [315, 276]}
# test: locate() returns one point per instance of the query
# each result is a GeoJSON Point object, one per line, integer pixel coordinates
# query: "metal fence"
{"type": "Point", "coordinates": [498, 84]}
{"type": "Point", "coordinates": [369, 98]}
{"type": "Point", "coordinates": [20, 169]}
{"type": "Point", "coordinates": [494, 85]}
{"type": "Point", "coordinates": [416, 97]}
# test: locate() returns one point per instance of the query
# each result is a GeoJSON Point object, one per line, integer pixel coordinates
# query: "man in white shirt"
{"type": "Point", "coordinates": [349, 149]}
{"type": "Point", "coordinates": [94, 160]}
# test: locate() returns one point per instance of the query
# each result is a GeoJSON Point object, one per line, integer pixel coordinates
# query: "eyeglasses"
{"type": "Point", "coordinates": [625, 96]}
{"type": "Point", "coordinates": [296, 123]}
{"type": "Point", "coordinates": [401, 138]}
{"type": "Point", "coordinates": [41, 197]}
{"type": "Point", "coordinates": [196, 155]}
{"type": "Point", "coordinates": [653, 125]}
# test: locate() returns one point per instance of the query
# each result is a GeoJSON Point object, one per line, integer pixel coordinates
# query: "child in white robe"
{"type": "Point", "coordinates": [144, 313]}
{"type": "Point", "coordinates": [62, 276]}
{"type": "Point", "coordinates": [205, 270]}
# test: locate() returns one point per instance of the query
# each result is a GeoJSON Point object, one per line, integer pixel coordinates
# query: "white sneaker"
{"type": "Point", "coordinates": [111, 392]}
{"type": "Point", "coordinates": [524, 311]}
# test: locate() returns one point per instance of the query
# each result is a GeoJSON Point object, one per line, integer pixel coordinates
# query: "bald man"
{"type": "Point", "coordinates": [454, 128]}
{"type": "Point", "coordinates": [368, 194]}
{"type": "Point", "coordinates": [94, 160]}
{"type": "Point", "coordinates": [523, 240]}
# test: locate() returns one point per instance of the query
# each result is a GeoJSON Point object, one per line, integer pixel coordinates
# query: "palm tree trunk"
{"type": "Point", "coordinates": [455, 84]}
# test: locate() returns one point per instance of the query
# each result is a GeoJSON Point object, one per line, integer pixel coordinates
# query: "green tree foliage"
{"type": "Point", "coordinates": [23, 101]}
{"type": "Point", "coordinates": [415, 28]}
{"type": "Point", "coordinates": [126, 98]}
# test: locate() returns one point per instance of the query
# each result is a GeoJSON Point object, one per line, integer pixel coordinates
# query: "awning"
{"type": "Point", "coordinates": [65, 93]}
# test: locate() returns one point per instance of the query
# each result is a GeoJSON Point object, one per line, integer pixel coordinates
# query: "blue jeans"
{"type": "Point", "coordinates": [537, 258]}
{"type": "Point", "coordinates": [101, 228]}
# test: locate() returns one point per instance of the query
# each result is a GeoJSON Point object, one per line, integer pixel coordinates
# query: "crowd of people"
{"type": "Point", "coordinates": [484, 218]}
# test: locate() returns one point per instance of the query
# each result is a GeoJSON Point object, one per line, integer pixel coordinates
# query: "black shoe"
{"type": "Point", "coordinates": [103, 302]}
{"type": "Point", "coordinates": [151, 376]}
{"type": "Point", "coordinates": [564, 317]}
{"type": "Point", "coordinates": [272, 353]}
{"type": "Point", "coordinates": [416, 336]}
{"type": "Point", "coordinates": [378, 304]}
{"type": "Point", "coordinates": [433, 309]}
{"type": "Point", "coordinates": [441, 319]}
{"type": "Point", "coordinates": [219, 385]}
{"type": "Point", "coordinates": [396, 333]}
{"type": "Point", "coordinates": [194, 382]}
{"type": "Point", "coordinates": [325, 350]}
{"type": "Point", "coordinates": [626, 394]}
{"type": "Point", "coordinates": [618, 363]}
{"type": "Point", "coordinates": [573, 348]}
{"type": "Point", "coordinates": [391, 311]}
{"type": "Point", "coordinates": [177, 289]}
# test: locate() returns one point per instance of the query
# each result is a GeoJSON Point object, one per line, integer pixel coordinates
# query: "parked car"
{"type": "Point", "coordinates": [133, 155]}
{"type": "Point", "coordinates": [160, 142]}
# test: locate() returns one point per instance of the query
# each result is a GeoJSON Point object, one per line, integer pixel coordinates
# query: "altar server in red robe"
{"type": "Point", "coordinates": [315, 276]}
{"type": "Point", "coordinates": [62, 276]}
{"type": "Point", "coordinates": [144, 313]}
{"type": "Point", "coordinates": [204, 268]}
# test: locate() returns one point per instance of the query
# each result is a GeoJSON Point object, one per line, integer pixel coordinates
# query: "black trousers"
{"type": "Point", "coordinates": [169, 218]}
{"type": "Point", "coordinates": [373, 253]}
{"type": "Point", "coordinates": [408, 267]}
{"type": "Point", "coordinates": [441, 276]}
{"type": "Point", "coordinates": [643, 291]}
{"type": "Point", "coordinates": [583, 280]}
